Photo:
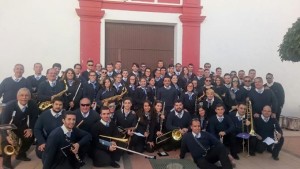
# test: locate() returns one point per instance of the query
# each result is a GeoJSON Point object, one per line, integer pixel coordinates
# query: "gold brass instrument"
{"type": "Point", "coordinates": [47, 104]}
{"type": "Point", "coordinates": [114, 98]}
{"type": "Point", "coordinates": [123, 140]}
{"type": "Point", "coordinates": [174, 134]}
{"type": "Point", "coordinates": [250, 113]}
{"type": "Point", "coordinates": [12, 149]}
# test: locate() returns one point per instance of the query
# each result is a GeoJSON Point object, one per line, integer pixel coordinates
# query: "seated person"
{"type": "Point", "coordinates": [266, 127]}
{"type": "Point", "coordinates": [221, 126]}
{"type": "Point", "coordinates": [204, 148]}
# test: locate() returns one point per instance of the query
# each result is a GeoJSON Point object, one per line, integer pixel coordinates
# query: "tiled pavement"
{"type": "Point", "coordinates": [289, 158]}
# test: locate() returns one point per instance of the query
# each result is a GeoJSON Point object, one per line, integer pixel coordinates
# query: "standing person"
{"type": "Point", "coordinates": [49, 88]}
{"type": "Point", "coordinates": [74, 92]}
{"type": "Point", "coordinates": [209, 104]}
{"type": "Point", "coordinates": [152, 90]}
{"type": "Point", "coordinates": [118, 86]}
{"type": "Point", "coordinates": [90, 67]}
{"type": "Point", "coordinates": [189, 99]}
{"type": "Point", "coordinates": [23, 113]}
{"type": "Point", "coordinates": [167, 94]}
{"type": "Point", "coordinates": [191, 71]}
{"type": "Point", "coordinates": [131, 86]}
{"type": "Point", "coordinates": [47, 121]}
{"type": "Point", "coordinates": [103, 155]}
{"type": "Point", "coordinates": [35, 79]}
{"type": "Point", "coordinates": [57, 68]}
{"type": "Point", "coordinates": [246, 88]}
{"type": "Point", "coordinates": [178, 69]}
{"type": "Point", "coordinates": [77, 69]}
{"type": "Point", "coordinates": [91, 88]}
{"type": "Point", "coordinates": [261, 97]}
{"type": "Point", "coordinates": [106, 92]}
{"type": "Point", "coordinates": [221, 126]}
{"type": "Point", "coordinates": [266, 127]}
{"type": "Point", "coordinates": [118, 68]}
{"type": "Point", "coordinates": [146, 128]}
{"type": "Point", "coordinates": [204, 148]}
{"type": "Point", "coordinates": [63, 147]}
{"type": "Point", "coordinates": [140, 95]}
{"type": "Point", "coordinates": [10, 85]}
{"type": "Point", "coordinates": [278, 91]}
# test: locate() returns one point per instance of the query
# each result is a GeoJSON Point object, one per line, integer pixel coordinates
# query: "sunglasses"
{"type": "Point", "coordinates": [268, 78]}
{"type": "Point", "coordinates": [104, 72]}
{"type": "Point", "coordinates": [208, 80]}
{"type": "Point", "coordinates": [85, 105]}
{"type": "Point", "coordinates": [90, 65]}
{"type": "Point", "coordinates": [246, 80]}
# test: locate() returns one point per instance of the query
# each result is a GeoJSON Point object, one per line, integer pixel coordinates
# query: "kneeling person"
{"type": "Point", "coordinates": [204, 148]}
{"type": "Point", "coordinates": [103, 155]}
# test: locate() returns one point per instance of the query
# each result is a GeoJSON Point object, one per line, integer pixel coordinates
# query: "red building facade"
{"type": "Point", "coordinates": [92, 15]}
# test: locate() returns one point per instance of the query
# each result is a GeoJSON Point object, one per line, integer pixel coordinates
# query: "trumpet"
{"type": "Point", "coordinates": [174, 134]}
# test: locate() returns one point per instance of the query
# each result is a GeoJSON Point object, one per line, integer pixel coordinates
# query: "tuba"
{"type": "Point", "coordinates": [47, 104]}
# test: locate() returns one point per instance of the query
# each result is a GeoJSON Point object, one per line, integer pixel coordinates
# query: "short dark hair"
{"type": "Point", "coordinates": [56, 65]}
{"type": "Point", "coordinates": [64, 115]}
{"type": "Point", "coordinates": [57, 99]}
{"type": "Point", "coordinates": [103, 108]}
{"type": "Point", "coordinates": [77, 64]}
{"type": "Point", "coordinates": [220, 105]}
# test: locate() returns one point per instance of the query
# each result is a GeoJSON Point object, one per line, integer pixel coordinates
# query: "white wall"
{"type": "Point", "coordinates": [38, 31]}
{"type": "Point", "coordinates": [246, 34]}
{"type": "Point", "coordinates": [235, 35]}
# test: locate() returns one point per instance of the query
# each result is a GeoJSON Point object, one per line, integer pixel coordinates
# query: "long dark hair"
{"type": "Point", "coordinates": [141, 112]}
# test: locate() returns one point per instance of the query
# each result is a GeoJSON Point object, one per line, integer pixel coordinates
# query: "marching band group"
{"type": "Point", "coordinates": [100, 112]}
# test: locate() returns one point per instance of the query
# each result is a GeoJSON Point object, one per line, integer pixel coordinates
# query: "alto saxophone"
{"type": "Point", "coordinates": [114, 98]}
{"type": "Point", "coordinates": [47, 104]}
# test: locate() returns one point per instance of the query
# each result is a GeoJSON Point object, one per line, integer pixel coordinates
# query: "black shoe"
{"type": "Point", "coordinates": [275, 158]}
{"type": "Point", "coordinates": [235, 156]}
{"type": "Point", "coordinates": [23, 158]}
{"type": "Point", "coordinates": [270, 150]}
{"type": "Point", "coordinates": [252, 154]}
{"type": "Point", "coordinates": [7, 166]}
{"type": "Point", "coordinates": [114, 164]}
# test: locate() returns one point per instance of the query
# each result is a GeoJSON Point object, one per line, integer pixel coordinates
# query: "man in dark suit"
{"type": "Point", "coordinates": [221, 126]}
{"type": "Point", "coordinates": [167, 94]}
{"type": "Point", "coordinates": [267, 128]}
{"type": "Point", "coordinates": [47, 121]}
{"type": "Point", "coordinates": [35, 79]}
{"type": "Point", "coordinates": [64, 145]}
{"type": "Point", "coordinates": [49, 88]}
{"type": "Point", "coordinates": [91, 88]}
{"type": "Point", "coordinates": [204, 148]}
{"type": "Point", "coordinates": [261, 97]}
{"type": "Point", "coordinates": [90, 66]}
{"type": "Point", "coordinates": [278, 91]}
{"type": "Point", "coordinates": [103, 155]}
{"type": "Point", "coordinates": [10, 85]}
{"type": "Point", "coordinates": [23, 113]}
{"type": "Point", "coordinates": [209, 104]}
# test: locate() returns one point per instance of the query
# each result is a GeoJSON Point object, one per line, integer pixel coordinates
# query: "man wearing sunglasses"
{"type": "Point", "coordinates": [85, 119]}
{"type": "Point", "coordinates": [90, 66]}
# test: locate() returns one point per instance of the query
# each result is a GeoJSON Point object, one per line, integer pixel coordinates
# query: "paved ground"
{"type": "Point", "coordinates": [289, 158]}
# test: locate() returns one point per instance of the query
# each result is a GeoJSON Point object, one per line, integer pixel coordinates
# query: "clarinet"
{"type": "Point", "coordinates": [162, 120]}
{"type": "Point", "coordinates": [81, 163]}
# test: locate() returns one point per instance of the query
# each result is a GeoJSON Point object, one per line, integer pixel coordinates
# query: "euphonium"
{"type": "Point", "coordinates": [15, 146]}
{"type": "Point", "coordinates": [47, 104]}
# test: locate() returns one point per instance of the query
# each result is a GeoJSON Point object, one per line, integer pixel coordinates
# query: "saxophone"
{"type": "Point", "coordinates": [47, 104]}
{"type": "Point", "coordinates": [114, 98]}
{"type": "Point", "coordinates": [12, 149]}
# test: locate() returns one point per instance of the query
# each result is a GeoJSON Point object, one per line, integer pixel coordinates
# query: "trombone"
{"type": "Point", "coordinates": [174, 134]}
{"type": "Point", "coordinates": [107, 143]}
